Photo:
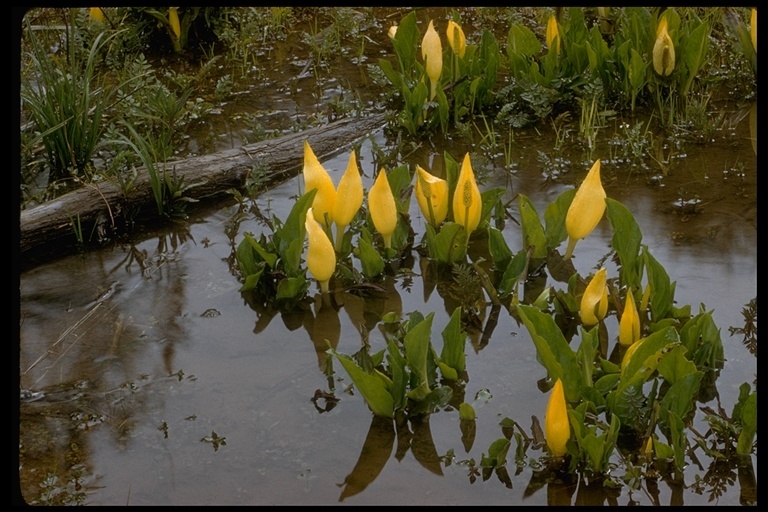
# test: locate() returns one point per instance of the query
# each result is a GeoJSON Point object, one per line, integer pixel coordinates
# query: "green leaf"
{"type": "Point", "coordinates": [373, 388]}
{"type": "Point", "coordinates": [454, 342]}
{"type": "Point", "coordinates": [466, 412]}
{"type": "Point", "coordinates": [662, 290]}
{"type": "Point", "coordinates": [416, 344]}
{"type": "Point", "coordinates": [701, 336]}
{"type": "Point", "coordinates": [293, 228]}
{"type": "Point", "coordinates": [371, 262]}
{"type": "Point", "coordinates": [674, 366]}
{"type": "Point", "coordinates": [533, 231]}
{"type": "Point", "coordinates": [553, 350]}
{"type": "Point", "coordinates": [554, 218]}
{"type": "Point", "coordinates": [626, 242]}
{"type": "Point", "coordinates": [449, 245]}
{"type": "Point", "coordinates": [291, 288]}
{"type": "Point", "coordinates": [748, 425]}
{"type": "Point", "coordinates": [498, 248]}
{"type": "Point", "coordinates": [680, 398]}
{"type": "Point", "coordinates": [646, 358]}
{"type": "Point", "coordinates": [513, 273]}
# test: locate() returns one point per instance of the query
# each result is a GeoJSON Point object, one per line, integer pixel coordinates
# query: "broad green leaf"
{"type": "Point", "coordinates": [533, 231]}
{"type": "Point", "coordinates": [646, 358]}
{"type": "Point", "coordinates": [662, 290]}
{"type": "Point", "coordinates": [680, 398]}
{"type": "Point", "coordinates": [291, 288]}
{"type": "Point", "coordinates": [454, 342]}
{"type": "Point", "coordinates": [553, 350]}
{"type": "Point", "coordinates": [371, 262]}
{"type": "Point", "coordinates": [554, 218]}
{"type": "Point", "coordinates": [626, 242]}
{"type": "Point", "coordinates": [373, 388]}
{"type": "Point", "coordinates": [748, 425]}
{"type": "Point", "coordinates": [513, 273]}
{"type": "Point", "coordinates": [294, 229]}
{"type": "Point", "coordinates": [701, 337]}
{"type": "Point", "coordinates": [466, 411]}
{"type": "Point", "coordinates": [498, 248]}
{"type": "Point", "coordinates": [674, 365]}
{"type": "Point", "coordinates": [449, 245]}
{"type": "Point", "coordinates": [397, 366]}
{"type": "Point", "coordinates": [489, 198]}
{"type": "Point", "coordinates": [416, 344]}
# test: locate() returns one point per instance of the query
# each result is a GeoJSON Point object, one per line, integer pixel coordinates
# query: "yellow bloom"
{"type": "Point", "coordinates": [553, 35]}
{"type": "Point", "coordinates": [456, 38]}
{"type": "Point", "coordinates": [382, 207]}
{"type": "Point", "coordinates": [645, 298]}
{"type": "Point", "coordinates": [392, 31]}
{"type": "Point", "coordinates": [753, 29]}
{"type": "Point", "coordinates": [629, 325]}
{"type": "Point", "coordinates": [349, 198]}
{"type": "Point", "coordinates": [321, 258]}
{"type": "Point", "coordinates": [173, 19]}
{"type": "Point", "coordinates": [432, 53]}
{"type": "Point", "coordinates": [316, 177]}
{"type": "Point", "coordinates": [594, 302]}
{"type": "Point", "coordinates": [432, 196]}
{"type": "Point", "coordinates": [557, 429]}
{"type": "Point", "coordinates": [586, 209]}
{"type": "Point", "coordinates": [467, 203]}
{"type": "Point", "coordinates": [663, 50]}
{"type": "Point", "coordinates": [97, 14]}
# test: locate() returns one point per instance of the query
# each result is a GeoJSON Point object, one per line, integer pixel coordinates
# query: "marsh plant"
{"type": "Point", "coordinates": [639, 397]}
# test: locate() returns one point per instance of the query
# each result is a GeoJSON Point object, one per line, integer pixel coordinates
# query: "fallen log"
{"type": "Point", "coordinates": [47, 230]}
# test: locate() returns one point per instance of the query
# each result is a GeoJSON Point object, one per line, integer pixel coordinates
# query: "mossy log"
{"type": "Point", "coordinates": [47, 231]}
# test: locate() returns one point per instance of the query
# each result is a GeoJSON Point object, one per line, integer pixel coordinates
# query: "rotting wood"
{"type": "Point", "coordinates": [47, 227]}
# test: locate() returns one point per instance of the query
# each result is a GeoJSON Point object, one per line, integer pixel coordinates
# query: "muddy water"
{"type": "Point", "coordinates": [151, 381]}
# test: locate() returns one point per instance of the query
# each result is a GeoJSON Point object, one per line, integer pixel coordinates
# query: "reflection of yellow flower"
{"type": "Point", "coordinates": [173, 19]}
{"type": "Point", "coordinates": [586, 209]}
{"type": "Point", "coordinates": [553, 35]}
{"type": "Point", "coordinates": [467, 202]}
{"type": "Point", "coordinates": [663, 50]}
{"type": "Point", "coordinates": [456, 38]}
{"type": "Point", "coordinates": [753, 29]}
{"type": "Point", "coordinates": [316, 177]}
{"type": "Point", "coordinates": [594, 302]}
{"type": "Point", "coordinates": [392, 31]}
{"type": "Point", "coordinates": [349, 198]}
{"type": "Point", "coordinates": [382, 207]}
{"type": "Point", "coordinates": [557, 430]}
{"type": "Point", "coordinates": [321, 258]}
{"type": "Point", "coordinates": [629, 325]}
{"type": "Point", "coordinates": [432, 196]}
{"type": "Point", "coordinates": [432, 53]}
{"type": "Point", "coordinates": [97, 14]}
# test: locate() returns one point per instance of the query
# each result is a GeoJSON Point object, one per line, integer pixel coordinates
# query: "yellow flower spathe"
{"type": "Point", "coordinates": [629, 325]}
{"type": "Point", "coordinates": [97, 14]}
{"type": "Point", "coordinates": [348, 200]}
{"type": "Point", "coordinates": [456, 38]}
{"type": "Point", "coordinates": [594, 302]}
{"type": "Point", "coordinates": [467, 202]}
{"type": "Point", "coordinates": [586, 209]}
{"type": "Point", "coordinates": [321, 258]}
{"type": "Point", "coordinates": [753, 29]}
{"type": "Point", "coordinates": [432, 53]}
{"type": "Point", "coordinates": [432, 196]}
{"type": "Point", "coordinates": [382, 207]}
{"type": "Point", "coordinates": [557, 429]}
{"type": "Point", "coordinates": [173, 19]}
{"type": "Point", "coordinates": [316, 177]}
{"type": "Point", "coordinates": [392, 31]}
{"type": "Point", "coordinates": [553, 35]}
{"type": "Point", "coordinates": [663, 50]}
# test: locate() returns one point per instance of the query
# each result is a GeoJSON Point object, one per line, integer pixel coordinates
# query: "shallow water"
{"type": "Point", "coordinates": [148, 379]}
{"type": "Point", "coordinates": [131, 385]}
